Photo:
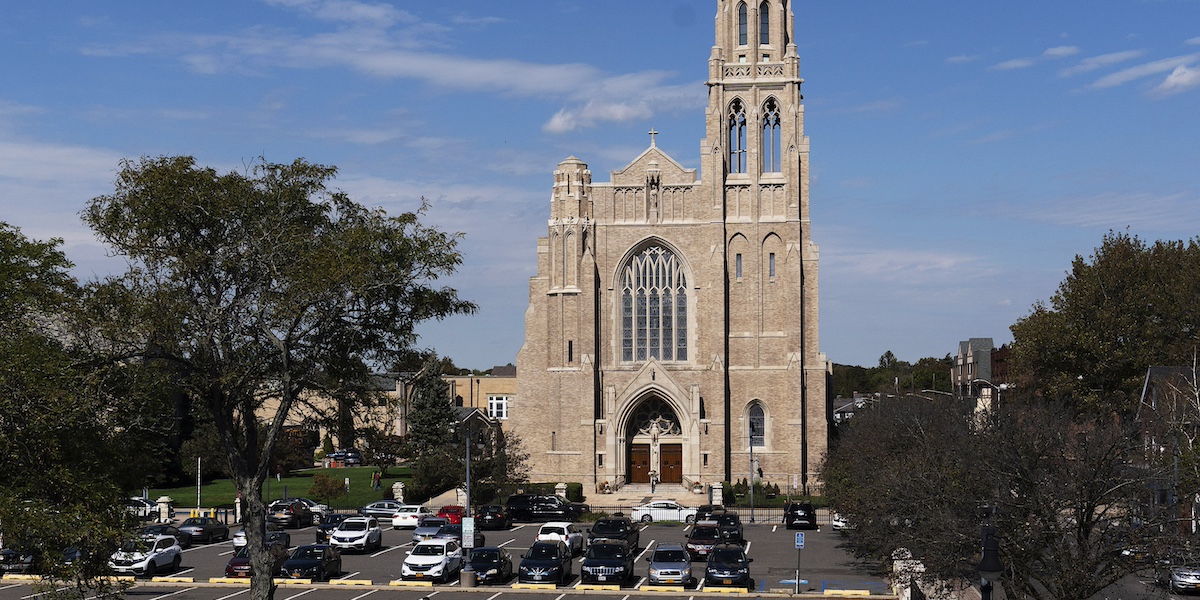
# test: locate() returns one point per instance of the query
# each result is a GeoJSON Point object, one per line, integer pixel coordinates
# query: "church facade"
{"type": "Point", "coordinates": [672, 328]}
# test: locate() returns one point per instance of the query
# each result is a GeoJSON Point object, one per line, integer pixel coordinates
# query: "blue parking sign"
{"type": "Point", "coordinates": [799, 540]}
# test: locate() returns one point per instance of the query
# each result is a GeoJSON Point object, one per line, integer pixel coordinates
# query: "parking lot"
{"type": "Point", "coordinates": [825, 569]}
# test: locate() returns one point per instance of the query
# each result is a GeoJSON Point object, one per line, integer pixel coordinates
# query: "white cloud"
{"type": "Point", "coordinates": [1009, 65]}
{"type": "Point", "coordinates": [1061, 51]}
{"type": "Point", "coordinates": [348, 11]}
{"type": "Point", "coordinates": [1181, 79]}
{"type": "Point", "coordinates": [961, 59]}
{"type": "Point", "coordinates": [1193, 42]}
{"type": "Point", "coordinates": [1144, 70]}
{"type": "Point", "coordinates": [1097, 62]}
{"type": "Point", "coordinates": [1143, 211]}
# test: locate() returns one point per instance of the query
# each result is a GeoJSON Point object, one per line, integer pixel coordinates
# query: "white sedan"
{"type": "Point", "coordinates": [563, 532]}
{"type": "Point", "coordinates": [432, 560]}
{"type": "Point", "coordinates": [409, 516]}
{"type": "Point", "coordinates": [663, 510]}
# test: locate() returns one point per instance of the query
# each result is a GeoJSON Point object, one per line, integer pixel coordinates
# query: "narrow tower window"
{"type": "Point", "coordinates": [737, 267]}
{"type": "Point", "coordinates": [654, 307]}
{"type": "Point", "coordinates": [771, 143]}
{"type": "Point", "coordinates": [737, 137]}
{"type": "Point", "coordinates": [764, 24]}
{"type": "Point", "coordinates": [771, 266]}
{"type": "Point", "coordinates": [758, 426]}
{"type": "Point", "coordinates": [743, 24]}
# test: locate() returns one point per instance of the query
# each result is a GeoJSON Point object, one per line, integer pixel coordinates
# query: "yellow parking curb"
{"type": "Point", "coordinates": [349, 582]}
{"type": "Point", "coordinates": [173, 579]}
{"type": "Point", "coordinates": [678, 589]}
{"type": "Point", "coordinates": [534, 586]}
{"type": "Point", "coordinates": [239, 580]}
{"type": "Point", "coordinates": [720, 589]}
{"type": "Point", "coordinates": [847, 592]}
{"type": "Point", "coordinates": [20, 577]}
{"type": "Point", "coordinates": [403, 583]}
{"type": "Point", "coordinates": [598, 586]}
{"type": "Point", "coordinates": [283, 581]}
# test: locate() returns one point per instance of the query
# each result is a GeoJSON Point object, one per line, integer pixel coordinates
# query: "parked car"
{"type": "Point", "coordinates": [205, 529]}
{"type": "Point", "coordinates": [353, 457]}
{"type": "Point", "coordinates": [427, 529]}
{"type": "Point", "coordinates": [670, 564]}
{"type": "Point", "coordinates": [289, 513]}
{"type": "Point", "coordinates": [239, 564]}
{"type": "Point", "coordinates": [316, 508]}
{"type": "Point", "coordinates": [151, 532]}
{"type": "Point", "coordinates": [563, 532]}
{"type": "Point", "coordinates": [432, 560]}
{"type": "Point", "coordinates": [140, 557]}
{"type": "Point", "coordinates": [453, 514]}
{"type": "Point", "coordinates": [450, 531]}
{"type": "Point", "coordinates": [728, 565]}
{"type": "Point", "coordinates": [328, 523]}
{"type": "Point", "coordinates": [545, 562]}
{"type": "Point", "coordinates": [357, 533]}
{"type": "Point", "coordinates": [141, 508]}
{"type": "Point", "coordinates": [607, 562]}
{"type": "Point", "coordinates": [839, 522]}
{"type": "Point", "coordinates": [536, 507]}
{"type": "Point", "coordinates": [731, 526]}
{"type": "Point", "coordinates": [13, 560]}
{"type": "Point", "coordinates": [380, 510]}
{"type": "Point", "coordinates": [274, 536]}
{"type": "Point", "coordinates": [704, 511]}
{"type": "Point", "coordinates": [491, 565]}
{"type": "Point", "coordinates": [319, 562]}
{"type": "Point", "coordinates": [619, 529]}
{"type": "Point", "coordinates": [663, 510]}
{"type": "Point", "coordinates": [409, 515]}
{"type": "Point", "coordinates": [702, 538]}
{"type": "Point", "coordinates": [492, 516]}
{"type": "Point", "coordinates": [799, 515]}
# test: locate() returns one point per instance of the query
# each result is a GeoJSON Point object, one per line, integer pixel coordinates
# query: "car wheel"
{"type": "Point", "coordinates": [647, 518]}
{"type": "Point", "coordinates": [150, 569]}
{"type": "Point", "coordinates": [690, 519]}
{"type": "Point", "coordinates": [176, 563]}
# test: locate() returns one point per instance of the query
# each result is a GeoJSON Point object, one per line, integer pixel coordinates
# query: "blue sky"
{"type": "Point", "coordinates": [962, 152]}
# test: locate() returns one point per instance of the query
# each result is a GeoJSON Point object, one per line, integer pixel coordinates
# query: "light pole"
{"type": "Point", "coordinates": [994, 398]}
{"type": "Point", "coordinates": [467, 578]}
{"type": "Point", "coordinates": [989, 566]}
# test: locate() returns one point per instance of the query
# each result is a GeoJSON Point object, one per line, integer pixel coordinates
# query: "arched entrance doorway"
{"type": "Point", "coordinates": [654, 440]}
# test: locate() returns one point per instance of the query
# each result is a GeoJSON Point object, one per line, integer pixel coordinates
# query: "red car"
{"type": "Point", "coordinates": [452, 514]}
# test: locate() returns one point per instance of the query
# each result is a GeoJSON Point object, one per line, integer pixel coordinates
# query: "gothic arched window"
{"type": "Point", "coordinates": [654, 307]}
{"type": "Point", "coordinates": [770, 137]}
{"type": "Point", "coordinates": [757, 426]}
{"type": "Point", "coordinates": [764, 24]}
{"type": "Point", "coordinates": [737, 137]}
{"type": "Point", "coordinates": [743, 24]}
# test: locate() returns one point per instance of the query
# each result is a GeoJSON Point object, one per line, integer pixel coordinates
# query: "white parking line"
{"type": "Point", "coordinates": [9, 587]}
{"type": "Point", "coordinates": [507, 543]}
{"type": "Point", "coordinates": [560, 596]}
{"type": "Point", "coordinates": [234, 594]}
{"type": "Point", "coordinates": [747, 548]}
{"type": "Point", "coordinates": [390, 548]}
{"type": "Point", "coordinates": [174, 593]}
{"type": "Point", "coordinates": [300, 594]}
{"type": "Point", "coordinates": [774, 528]}
{"type": "Point", "coordinates": [349, 575]}
{"type": "Point", "coordinates": [38, 595]}
{"type": "Point", "coordinates": [493, 597]}
{"type": "Point", "coordinates": [364, 595]}
{"type": "Point", "coordinates": [184, 571]}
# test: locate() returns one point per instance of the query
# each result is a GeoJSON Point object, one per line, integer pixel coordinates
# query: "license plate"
{"type": "Point", "coordinates": [668, 581]}
{"type": "Point", "coordinates": [727, 581]}
{"type": "Point", "coordinates": [420, 575]}
{"type": "Point", "coordinates": [601, 577]}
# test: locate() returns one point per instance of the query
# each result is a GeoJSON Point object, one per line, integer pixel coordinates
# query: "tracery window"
{"type": "Point", "coordinates": [764, 24]}
{"type": "Point", "coordinates": [758, 426]}
{"type": "Point", "coordinates": [654, 307]}
{"type": "Point", "coordinates": [743, 24]}
{"type": "Point", "coordinates": [737, 137]}
{"type": "Point", "coordinates": [770, 137]}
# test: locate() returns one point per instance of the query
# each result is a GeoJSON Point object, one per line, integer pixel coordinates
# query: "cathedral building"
{"type": "Point", "coordinates": [672, 325]}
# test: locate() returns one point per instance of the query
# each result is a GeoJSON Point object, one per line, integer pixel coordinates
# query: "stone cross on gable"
{"type": "Point", "coordinates": [653, 132]}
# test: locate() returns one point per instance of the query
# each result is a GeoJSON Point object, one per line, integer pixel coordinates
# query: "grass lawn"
{"type": "Point", "coordinates": [220, 493]}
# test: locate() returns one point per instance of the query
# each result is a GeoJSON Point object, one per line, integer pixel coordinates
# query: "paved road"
{"type": "Point", "coordinates": [824, 567]}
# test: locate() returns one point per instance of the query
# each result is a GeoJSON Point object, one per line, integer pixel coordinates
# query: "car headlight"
{"type": "Point", "coordinates": [743, 570]}
{"type": "Point", "coordinates": [492, 572]}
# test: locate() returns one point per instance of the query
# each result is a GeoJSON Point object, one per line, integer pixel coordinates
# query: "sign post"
{"type": "Point", "coordinates": [799, 547]}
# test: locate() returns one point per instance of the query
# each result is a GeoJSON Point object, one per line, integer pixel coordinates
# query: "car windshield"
{"type": "Point", "coordinates": [241, 552]}
{"type": "Point", "coordinates": [353, 526]}
{"type": "Point", "coordinates": [670, 556]}
{"type": "Point", "coordinates": [307, 553]}
{"type": "Point", "coordinates": [727, 520]}
{"type": "Point", "coordinates": [193, 521]}
{"type": "Point", "coordinates": [154, 530]}
{"type": "Point", "coordinates": [135, 546]}
{"type": "Point", "coordinates": [433, 522]}
{"type": "Point", "coordinates": [332, 519]}
{"type": "Point", "coordinates": [450, 530]}
{"type": "Point", "coordinates": [606, 551]}
{"type": "Point", "coordinates": [429, 550]}
{"type": "Point", "coordinates": [552, 531]}
{"type": "Point", "coordinates": [706, 534]}
{"type": "Point", "coordinates": [603, 527]}
{"type": "Point", "coordinates": [543, 551]}
{"type": "Point", "coordinates": [727, 556]}
{"type": "Point", "coordinates": [485, 556]}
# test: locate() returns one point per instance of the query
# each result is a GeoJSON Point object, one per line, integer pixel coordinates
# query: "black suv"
{"type": "Point", "coordinates": [799, 515]}
{"type": "Point", "coordinates": [731, 526]}
{"type": "Point", "coordinates": [728, 565]}
{"type": "Point", "coordinates": [536, 507]}
{"type": "Point", "coordinates": [615, 528]}
{"type": "Point", "coordinates": [607, 562]}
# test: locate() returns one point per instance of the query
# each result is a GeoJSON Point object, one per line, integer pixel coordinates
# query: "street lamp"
{"type": "Point", "coordinates": [989, 566]}
{"type": "Point", "coordinates": [994, 401]}
{"type": "Point", "coordinates": [467, 578]}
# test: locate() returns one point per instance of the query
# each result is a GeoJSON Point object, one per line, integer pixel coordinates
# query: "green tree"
{"type": "Point", "coordinates": [264, 290]}
{"type": "Point", "coordinates": [1129, 306]}
{"type": "Point", "coordinates": [432, 429]}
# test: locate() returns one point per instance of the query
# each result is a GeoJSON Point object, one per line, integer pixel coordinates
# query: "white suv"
{"type": "Point", "coordinates": [140, 557]}
{"type": "Point", "coordinates": [357, 533]}
{"type": "Point", "coordinates": [432, 560]}
{"type": "Point", "coordinates": [566, 533]}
